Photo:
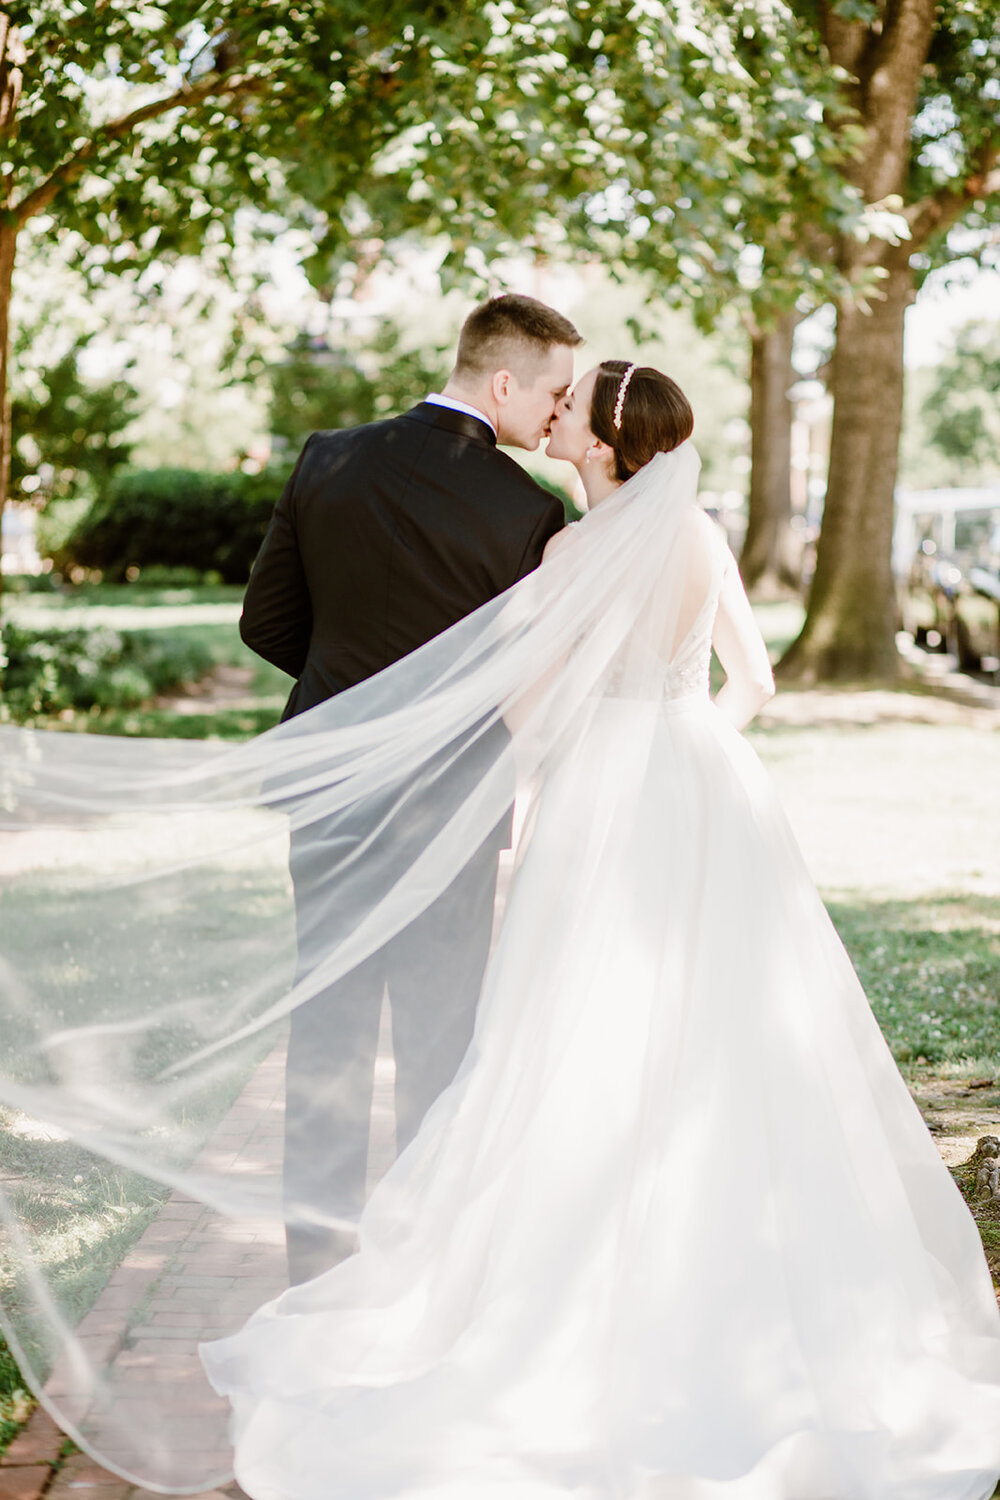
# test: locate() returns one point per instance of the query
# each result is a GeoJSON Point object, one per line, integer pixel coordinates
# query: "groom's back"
{"type": "Point", "coordinates": [385, 536]}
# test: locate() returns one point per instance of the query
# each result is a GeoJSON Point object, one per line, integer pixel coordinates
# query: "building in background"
{"type": "Point", "coordinates": [18, 540]}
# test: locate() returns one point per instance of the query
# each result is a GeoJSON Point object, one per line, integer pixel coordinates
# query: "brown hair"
{"type": "Point", "coordinates": [507, 330]}
{"type": "Point", "coordinates": [655, 416]}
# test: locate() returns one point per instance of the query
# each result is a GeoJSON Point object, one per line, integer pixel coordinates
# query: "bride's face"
{"type": "Point", "coordinates": [570, 431]}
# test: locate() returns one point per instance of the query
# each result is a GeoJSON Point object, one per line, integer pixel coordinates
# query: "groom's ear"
{"type": "Point", "coordinates": [500, 386]}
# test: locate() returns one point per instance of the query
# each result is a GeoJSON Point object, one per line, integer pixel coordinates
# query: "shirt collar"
{"type": "Point", "coordinates": [470, 411]}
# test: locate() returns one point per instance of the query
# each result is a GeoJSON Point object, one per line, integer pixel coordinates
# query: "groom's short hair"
{"type": "Point", "coordinates": [510, 331]}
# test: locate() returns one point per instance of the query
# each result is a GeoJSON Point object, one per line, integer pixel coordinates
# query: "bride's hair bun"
{"type": "Point", "coordinates": [655, 415]}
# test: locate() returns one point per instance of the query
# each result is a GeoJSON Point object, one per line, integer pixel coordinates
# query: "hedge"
{"type": "Point", "coordinates": [176, 518]}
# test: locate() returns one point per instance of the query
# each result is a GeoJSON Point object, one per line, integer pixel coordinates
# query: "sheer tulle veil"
{"type": "Point", "coordinates": [148, 954]}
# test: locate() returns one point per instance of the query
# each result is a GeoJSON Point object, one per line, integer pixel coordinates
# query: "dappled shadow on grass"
{"type": "Point", "coordinates": [112, 991]}
{"type": "Point", "coordinates": [866, 707]}
{"type": "Point", "coordinates": [196, 951]}
{"type": "Point", "coordinates": [80, 1214]}
{"type": "Point", "coordinates": [931, 969]}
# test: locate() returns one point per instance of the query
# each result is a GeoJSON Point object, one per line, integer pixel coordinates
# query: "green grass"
{"type": "Point", "coordinates": [931, 969]}
{"type": "Point", "coordinates": [81, 1215]}
{"type": "Point", "coordinates": [80, 1211]}
{"type": "Point", "coordinates": [16, 1404]}
{"type": "Point", "coordinates": [118, 596]}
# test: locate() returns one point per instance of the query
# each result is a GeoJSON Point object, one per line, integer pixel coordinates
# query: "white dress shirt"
{"type": "Point", "coordinates": [470, 411]}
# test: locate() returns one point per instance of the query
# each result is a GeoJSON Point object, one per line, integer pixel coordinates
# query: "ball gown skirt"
{"type": "Point", "coordinates": [677, 1230]}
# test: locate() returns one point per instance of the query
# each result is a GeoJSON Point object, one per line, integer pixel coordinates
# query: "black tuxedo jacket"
{"type": "Point", "coordinates": [384, 536]}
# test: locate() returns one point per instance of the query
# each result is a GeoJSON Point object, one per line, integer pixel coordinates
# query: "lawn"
{"type": "Point", "coordinates": [246, 694]}
{"type": "Point", "coordinates": [895, 798]}
{"type": "Point", "coordinates": [186, 941]}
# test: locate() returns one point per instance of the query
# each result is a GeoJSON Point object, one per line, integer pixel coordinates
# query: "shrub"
{"type": "Point", "coordinates": [176, 518]}
{"type": "Point", "coordinates": [32, 583]}
{"type": "Point", "coordinates": [51, 671]}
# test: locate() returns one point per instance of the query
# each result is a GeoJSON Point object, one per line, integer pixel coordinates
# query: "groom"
{"type": "Point", "coordinates": [385, 536]}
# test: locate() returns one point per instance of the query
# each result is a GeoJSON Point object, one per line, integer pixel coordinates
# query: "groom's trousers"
{"type": "Point", "coordinates": [432, 971]}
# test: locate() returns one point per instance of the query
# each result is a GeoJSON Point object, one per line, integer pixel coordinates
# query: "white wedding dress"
{"type": "Point", "coordinates": [677, 1230]}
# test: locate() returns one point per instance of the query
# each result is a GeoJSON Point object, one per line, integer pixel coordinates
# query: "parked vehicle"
{"type": "Point", "coordinates": [977, 620]}
{"type": "Point", "coordinates": [946, 557]}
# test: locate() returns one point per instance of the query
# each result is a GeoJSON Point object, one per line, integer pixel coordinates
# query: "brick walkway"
{"type": "Point", "coordinates": [193, 1275]}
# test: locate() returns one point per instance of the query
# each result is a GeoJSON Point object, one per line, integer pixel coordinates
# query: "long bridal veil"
{"type": "Point", "coordinates": [149, 962]}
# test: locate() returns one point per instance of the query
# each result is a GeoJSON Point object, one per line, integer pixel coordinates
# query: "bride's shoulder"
{"type": "Point", "coordinates": [701, 542]}
{"type": "Point", "coordinates": [559, 541]}
{"type": "Point", "coordinates": [696, 527]}
{"type": "Point", "coordinates": [709, 531]}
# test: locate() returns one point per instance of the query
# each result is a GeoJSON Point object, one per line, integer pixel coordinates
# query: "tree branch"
{"type": "Point", "coordinates": [844, 40]}
{"type": "Point", "coordinates": [938, 212]}
{"type": "Point", "coordinates": [13, 55]}
{"type": "Point", "coordinates": [900, 30]}
{"type": "Point", "coordinates": [891, 89]}
{"type": "Point", "coordinates": [75, 165]}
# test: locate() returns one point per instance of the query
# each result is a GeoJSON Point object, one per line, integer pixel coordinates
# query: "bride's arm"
{"type": "Point", "coordinates": [740, 648]}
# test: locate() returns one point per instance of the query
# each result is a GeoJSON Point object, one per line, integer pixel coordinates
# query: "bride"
{"type": "Point", "coordinates": [676, 1230]}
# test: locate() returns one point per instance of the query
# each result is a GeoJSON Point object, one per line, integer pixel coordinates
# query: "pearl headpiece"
{"type": "Point", "coordinates": [620, 402]}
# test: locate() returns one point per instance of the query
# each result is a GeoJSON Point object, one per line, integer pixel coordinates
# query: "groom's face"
{"type": "Point", "coordinates": [532, 396]}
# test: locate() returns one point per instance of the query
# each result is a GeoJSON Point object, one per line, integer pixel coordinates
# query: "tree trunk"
{"type": "Point", "coordinates": [767, 561]}
{"type": "Point", "coordinates": [850, 625]}
{"type": "Point", "coordinates": [12, 59]}
{"type": "Point", "coordinates": [8, 246]}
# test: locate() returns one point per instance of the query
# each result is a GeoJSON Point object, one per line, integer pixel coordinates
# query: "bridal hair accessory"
{"type": "Point", "coordinates": [617, 418]}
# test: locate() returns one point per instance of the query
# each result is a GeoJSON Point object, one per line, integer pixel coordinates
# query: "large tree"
{"type": "Point", "coordinates": [919, 77]}
{"type": "Point", "coordinates": [769, 560]}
